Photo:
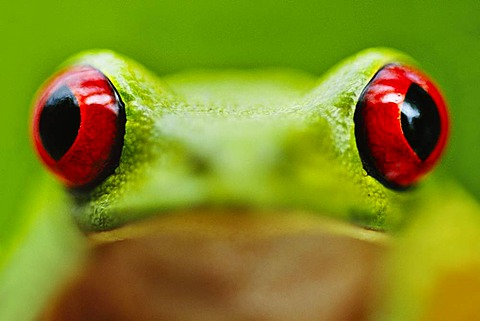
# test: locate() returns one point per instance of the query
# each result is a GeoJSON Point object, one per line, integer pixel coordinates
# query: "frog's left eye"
{"type": "Point", "coordinates": [78, 126]}
{"type": "Point", "coordinates": [401, 126]}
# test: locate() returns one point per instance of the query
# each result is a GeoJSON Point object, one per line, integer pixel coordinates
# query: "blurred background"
{"type": "Point", "coordinates": [172, 35]}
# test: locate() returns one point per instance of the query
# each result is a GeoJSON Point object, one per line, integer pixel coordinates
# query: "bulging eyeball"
{"type": "Point", "coordinates": [401, 126]}
{"type": "Point", "coordinates": [78, 126]}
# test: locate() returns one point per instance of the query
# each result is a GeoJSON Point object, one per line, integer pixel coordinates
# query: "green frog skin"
{"type": "Point", "coordinates": [237, 187]}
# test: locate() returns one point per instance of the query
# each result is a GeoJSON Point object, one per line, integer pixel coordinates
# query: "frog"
{"type": "Point", "coordinates": [203, 162]}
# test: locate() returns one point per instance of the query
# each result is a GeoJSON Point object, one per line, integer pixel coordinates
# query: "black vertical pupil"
{"type": "Point", "coordinates": [59, 122]}
{"type": "Point", "coordinates": [420, 121]}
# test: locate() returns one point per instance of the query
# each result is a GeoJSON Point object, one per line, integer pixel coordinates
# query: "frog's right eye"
{"type": "Point", "coordinates": [78, 126]}
{"type": "Point", "coordinates": [401, 126]}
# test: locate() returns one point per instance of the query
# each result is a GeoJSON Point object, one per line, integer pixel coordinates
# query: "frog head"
{"type": "Point", "coordinates": [225, 184]}
{"type": "Point", "coordinates": [351, 145]}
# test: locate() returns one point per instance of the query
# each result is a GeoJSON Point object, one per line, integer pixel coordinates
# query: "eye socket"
{"type": "Point", "coordinates": [78, 126]}
{"type": "Point", "coordinates": [401, 126]}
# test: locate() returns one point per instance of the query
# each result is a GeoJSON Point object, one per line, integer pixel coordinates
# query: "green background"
{"type": "Point", "coordinates": [172, 35]}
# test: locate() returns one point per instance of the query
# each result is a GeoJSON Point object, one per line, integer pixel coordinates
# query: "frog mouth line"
{"type": "Point", "coordinates": [238, 222]}
{"type": "Point", "coordinates": [241, 266]}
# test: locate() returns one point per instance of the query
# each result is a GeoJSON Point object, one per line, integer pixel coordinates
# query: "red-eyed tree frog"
{"type": "Point", "coordinates": [265, 194]}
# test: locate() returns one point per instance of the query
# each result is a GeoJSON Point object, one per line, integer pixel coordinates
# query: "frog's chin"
{"type": "Point", "coordinates": [228, 266]}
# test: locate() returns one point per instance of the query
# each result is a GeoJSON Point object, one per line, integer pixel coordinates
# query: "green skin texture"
{"type": "Point", "coordinates": [267, 139]}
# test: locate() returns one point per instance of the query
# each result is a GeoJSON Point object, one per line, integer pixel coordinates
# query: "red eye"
{"type": "Point", "coordinates": [401, 126]}
{"type": "Point", "coordinates": [78, 126]}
